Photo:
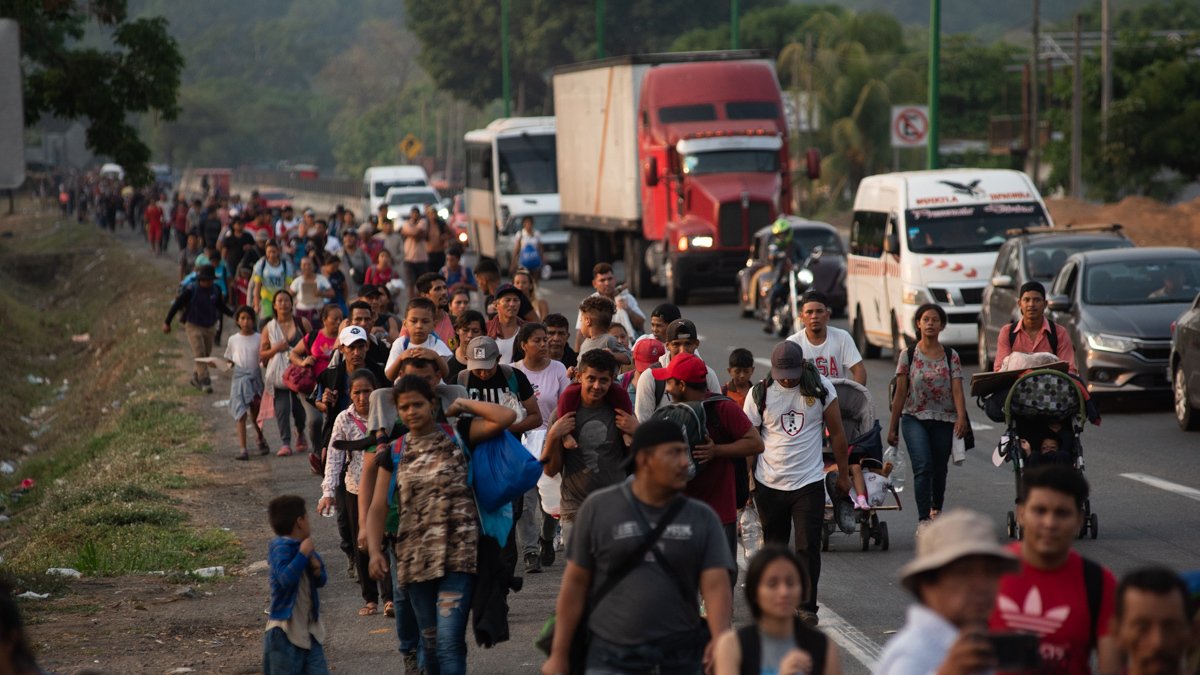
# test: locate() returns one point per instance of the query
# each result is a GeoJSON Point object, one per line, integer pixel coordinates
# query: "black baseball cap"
{"type": "Point", "coordinates": [682, 329]}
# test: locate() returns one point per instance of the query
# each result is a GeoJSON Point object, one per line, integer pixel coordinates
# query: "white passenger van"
{"type": "Point", "coordinates": [377, 180]}
{"type": "Point", "coordinates": [930, 236]}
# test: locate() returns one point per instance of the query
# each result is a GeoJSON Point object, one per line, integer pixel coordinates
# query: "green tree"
{"type": "Point", "coordinates": [65, 78]}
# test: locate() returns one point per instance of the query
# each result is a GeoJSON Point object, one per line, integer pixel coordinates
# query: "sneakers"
{"type": "Point", "coordinates": [301, 444]}
{"type": "Point", "coordinates": [547, 553]}
{"type": "Point", "coordinates": [533, 563]}
{"type": "Point", "coordinates": [807, 618]}
{"type": "Point", "coordinates": [284, 451]}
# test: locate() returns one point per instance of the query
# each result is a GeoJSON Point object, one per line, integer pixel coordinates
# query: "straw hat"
{"type": "Point", "coordinates": [956, 534]}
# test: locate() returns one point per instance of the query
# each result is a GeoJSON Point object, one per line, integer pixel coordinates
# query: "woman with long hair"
{"type": "Point", "coordinates": [524, 280]}
{"type": "Point", "coordinates": [777, 642]}
{"type": "Point", "coordinates": [279, 337]}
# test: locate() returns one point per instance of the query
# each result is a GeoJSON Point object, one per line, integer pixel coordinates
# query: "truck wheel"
{"type": "Point", "coordinates": [637, 271]}
{"type": "Point", "coordinates": [859, 332]}
{"type": "Point", "coordinates": [581, 255]}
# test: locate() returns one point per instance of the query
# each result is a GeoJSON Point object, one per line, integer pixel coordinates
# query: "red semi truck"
{"type": "Point", "coordinates": [671, 162]}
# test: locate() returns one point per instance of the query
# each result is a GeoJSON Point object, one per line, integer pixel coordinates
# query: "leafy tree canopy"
{"type": "Point", "coordinates": [66, 77]}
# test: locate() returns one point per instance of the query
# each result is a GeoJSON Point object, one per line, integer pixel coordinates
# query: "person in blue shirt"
{"type": "Point", "coordinates": [294, 632]}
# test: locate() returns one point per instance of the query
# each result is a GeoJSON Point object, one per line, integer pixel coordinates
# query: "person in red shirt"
{"type": "Point", "coordinates": [154, 227]}
{"type": "Point", "coordinates": [1057, 594]}
{"type": "Point", "coordinates": [730, 438]}
{"type": "Point", "coordinates": [1033, 331]}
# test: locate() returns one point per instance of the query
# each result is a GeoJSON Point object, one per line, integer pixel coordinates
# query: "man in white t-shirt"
{"type": "Point", "coordinates": [830, 349]}
{"type": "Point", "coordinates": [628, 313]}
{"type": "Point", "coordinates": [650, 394]}
{"type": "Point", "coordinates": [790, 473]}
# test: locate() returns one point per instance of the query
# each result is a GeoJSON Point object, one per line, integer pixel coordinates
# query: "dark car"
{"type": "Point", "coordinates": [1118, 307]}
{"type": "Point", "coordinates": [1184, 370]}
{"type": "Point", "coordinates": [829, 272]}
{"type": "Point", "coordinates": [1036, 256]}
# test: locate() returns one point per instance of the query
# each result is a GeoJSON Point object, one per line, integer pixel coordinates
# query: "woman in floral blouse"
{"type": "Point", "coordinates": [929, 408]}
{"type": "Point", "coordinates": [437, 538]}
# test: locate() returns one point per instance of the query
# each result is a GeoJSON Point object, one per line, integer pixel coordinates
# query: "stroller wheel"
{"type": "Point", "coordinates": [824, 538]}
{"type": "Point", "coordinates": [883, 537]}
{"type": "Point", "coordinates": [865, 536]}
{"type": "Point", "coordinates": [1094, 525]}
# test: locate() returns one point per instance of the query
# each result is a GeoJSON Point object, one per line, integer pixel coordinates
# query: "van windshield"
{"type": "Point", "coordinates": [969, 229]}
{"type": "Point", "coordinates": [382, 187]}
{"type": "Point", "coordinates": [414, 197]}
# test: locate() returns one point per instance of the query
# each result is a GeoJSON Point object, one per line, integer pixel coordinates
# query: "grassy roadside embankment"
{"type": "Point", "coordinates": [100, 425]}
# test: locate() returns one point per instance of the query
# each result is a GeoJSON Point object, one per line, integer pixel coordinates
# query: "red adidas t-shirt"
{"type": "Point", "coordinates": [1053, 604]}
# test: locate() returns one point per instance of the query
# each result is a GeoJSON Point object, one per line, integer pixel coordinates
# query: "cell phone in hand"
{"type": "Point", "coordinates": [1016, 651]}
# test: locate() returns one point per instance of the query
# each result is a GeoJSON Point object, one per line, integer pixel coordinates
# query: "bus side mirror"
{"type": "Point", "coordinates": [650, 169]}
{"type": "Point", "coordinates": [812, 163]}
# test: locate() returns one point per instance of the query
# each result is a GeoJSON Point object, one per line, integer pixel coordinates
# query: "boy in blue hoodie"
{"type": "Point", "coordinates": [294, 632]}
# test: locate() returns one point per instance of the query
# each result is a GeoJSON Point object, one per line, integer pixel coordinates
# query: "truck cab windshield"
{"type": "Point", "coordinates": [969, 229]}
{"type": "Point", "coordinates": [731, 161]}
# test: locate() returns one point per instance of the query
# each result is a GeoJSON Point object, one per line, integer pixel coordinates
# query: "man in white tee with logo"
{"type": "Point", "coordinates": [790, 473]}
{"type": "Point", "coordinates": [830, 349]}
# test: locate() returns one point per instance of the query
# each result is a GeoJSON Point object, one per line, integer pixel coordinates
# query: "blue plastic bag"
{"type": "Point", "coordinates": [497, 524]}
{"type": "Point", "coordinates": [502, 470]}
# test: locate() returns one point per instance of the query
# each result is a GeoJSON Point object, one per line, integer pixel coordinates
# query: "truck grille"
{"type": "Point", "coordinates": [733, 231]}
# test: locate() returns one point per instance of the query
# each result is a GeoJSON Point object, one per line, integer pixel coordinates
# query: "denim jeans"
{"type": "Point", "coordinates": [441, 607]}
{"type": "Point", "coordinates": [287, 407]}
{"type": "Point", "coordinates": [406, 619]}
{"type": "Point", "coordinates": [803, 510]}
{"type": "Point", "coordinates": [928, 443]}
{"type": "Point", "coordinates": [281, 657]}
{"type": "Point", "coordinates": [677, 654]}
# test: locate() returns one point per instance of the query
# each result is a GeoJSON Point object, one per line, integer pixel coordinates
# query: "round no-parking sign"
{"type": "Point", "coordinates": [910, 126]}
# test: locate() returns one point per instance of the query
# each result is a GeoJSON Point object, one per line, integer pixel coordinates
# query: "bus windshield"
{"type": "Point", "coordinates": [731, 161]}
{"type": "Point", "coordinates": [527, 165]}
{"type": "Point", "coordinates": [969, 229]}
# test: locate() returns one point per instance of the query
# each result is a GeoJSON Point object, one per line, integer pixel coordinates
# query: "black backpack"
{"type": "Point", "coordinates": [692, 418]}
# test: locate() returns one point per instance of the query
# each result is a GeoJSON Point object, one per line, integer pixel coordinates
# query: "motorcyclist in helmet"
{"type": "Point", "coordinates": [786, 253]}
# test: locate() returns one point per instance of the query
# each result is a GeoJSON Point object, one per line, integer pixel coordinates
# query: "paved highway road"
{"type": "Point", "coordinates": [1142, 469]}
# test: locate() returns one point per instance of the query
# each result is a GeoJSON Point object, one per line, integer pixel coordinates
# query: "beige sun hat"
{"type": "Point", "coordinates": [956, 534]}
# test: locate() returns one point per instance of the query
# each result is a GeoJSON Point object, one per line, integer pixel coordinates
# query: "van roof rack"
{"type": "Point", "coordinates": [1115, 228]}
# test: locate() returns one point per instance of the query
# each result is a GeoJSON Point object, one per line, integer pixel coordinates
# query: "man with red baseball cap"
{"type": "Point", "coordinates": [646, 353]}
{"type": "Point", "coordinates": [730, 438]}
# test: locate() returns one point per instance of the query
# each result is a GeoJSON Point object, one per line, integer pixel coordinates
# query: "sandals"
{"type": "Point", "coordinates": [368, 609]}
{"type": "Point", "coordinates": [244, 457]}
{"type": "Point", "coordinates": [389, 609]}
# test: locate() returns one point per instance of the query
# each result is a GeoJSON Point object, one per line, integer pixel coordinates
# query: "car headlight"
{"type": "Point", "coordinates": [805, 276]}
{"type": "Point", "coordinates": [1110, 343]}
{"type": "Point", "coordinates": [915, 295]}
{"type": "Point", "coordinates": [702, 241]}
{"type": "Point", "coordinates": [444, 213]}
{"type": "Point", "coordinates": [462, 237]}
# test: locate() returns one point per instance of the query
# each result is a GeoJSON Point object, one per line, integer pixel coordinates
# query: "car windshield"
{"type": "Point", "coordinates": [419, 197]}
{"type": "Point", "coordinates": [812, 238]}
{"type": "Point", "coordinates": [273, 196]}
{"type": "Point", "coordinates": [731, 161]}
{"type": "Point", "coordinates": [969, 229]}
{"type": "Point", "coordinates": [528, 165]}
{"type": "Point", "coordinates": [382, 187]}
{"type": "Point", "coordinates": [542, 222]}
{"type": "Point", "coordinates": [1043, 260]}
{"type": "Point", "coordinates": [1141, 282]}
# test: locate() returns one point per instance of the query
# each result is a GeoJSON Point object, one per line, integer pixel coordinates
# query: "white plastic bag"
{"type": "Point", "coordinates": [750, 530]}
{"type": "Point", "coordinates": [534, 441]}
{"type": "Point", "coordinates": [958, 451]}
{"type": "Point", "coordinates": [550, 490]}
{"type": "Point", "coordinates": [896, 475]}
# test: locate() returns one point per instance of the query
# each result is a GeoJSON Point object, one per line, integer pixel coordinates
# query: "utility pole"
{"type": "Point", "coordinates": [735, 40]}
{"type": "Point", "coordinates": [506, 84]}
{"type": "Point", "coordinates": [1077, 113]}
{"type": "Point", "coordinates": [1033, 95]}
{"type": "Point", "coordinates": [599, 29]}
{"type": "Point", "coordinates": [1105, 68]}
{"type": "Point", "coordinates": [935, 57]}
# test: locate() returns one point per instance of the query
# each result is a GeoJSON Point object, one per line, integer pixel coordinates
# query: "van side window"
{"type": "Point", "coordinates": [866, 233]}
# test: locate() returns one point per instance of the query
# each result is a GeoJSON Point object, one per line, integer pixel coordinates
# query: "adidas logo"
{"type": "Point", "coordinates": [1031, 616]}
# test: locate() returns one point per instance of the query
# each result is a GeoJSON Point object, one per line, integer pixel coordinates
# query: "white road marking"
{"type": "Point", "coordinates": [980, 426]}
{"type": "Point", "coordinates": [1181, 490]}
{"type": "Point", "coordinates": [762, 361]}
{"type": "Point", "coordinates": [852, 640]}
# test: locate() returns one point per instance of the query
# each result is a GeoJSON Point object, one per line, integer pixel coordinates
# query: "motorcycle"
{"type": "Point", "coordinates": [799, 279]}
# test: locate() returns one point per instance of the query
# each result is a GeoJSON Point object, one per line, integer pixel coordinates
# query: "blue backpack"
{"type": "Point", "coordinates": [529, 257]}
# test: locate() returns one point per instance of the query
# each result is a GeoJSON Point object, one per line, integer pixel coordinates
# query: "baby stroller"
{"type": "Point", "coordinates": [865, 444]}
{"type": "Point", "coordinates": [1045, 405]}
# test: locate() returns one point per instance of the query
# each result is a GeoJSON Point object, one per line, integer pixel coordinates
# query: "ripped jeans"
{"type": "Point", "coordinates": [441, 606]}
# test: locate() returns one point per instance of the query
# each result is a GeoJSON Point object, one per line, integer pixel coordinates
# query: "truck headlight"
{"type": "Point", "coordinates": [702, 242]}
{"type": "Point", "coordinates": [1110, 343]}
{"type": "Point", "coordinates": [915, 295]}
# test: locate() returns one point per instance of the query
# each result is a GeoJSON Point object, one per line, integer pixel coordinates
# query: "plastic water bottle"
{"type": "Point", "coordinates": [893, 467]}
{"type": "Point", "coordinates": [751, 531]}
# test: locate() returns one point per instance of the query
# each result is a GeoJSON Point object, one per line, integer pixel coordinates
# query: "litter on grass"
{"type": "Point", "coordinates": [209, 572]}
{"type": "Point", "coordinates": [68, 572]}
{"type": "Point", "coordinates": [30, 595]}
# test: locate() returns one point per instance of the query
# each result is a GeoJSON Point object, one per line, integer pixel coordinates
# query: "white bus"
{"type": "Point", "coordinates": [511, 170]}
{"type": "Point", "coordinates": [930, 236]}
